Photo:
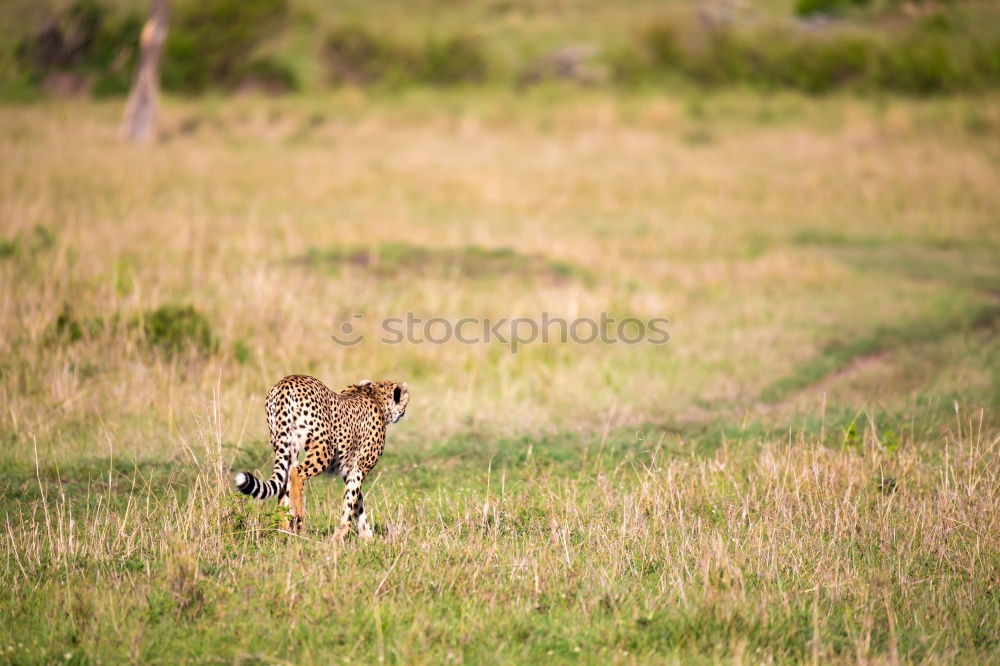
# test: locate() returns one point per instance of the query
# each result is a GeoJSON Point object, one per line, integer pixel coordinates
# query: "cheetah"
{"type": "Point", "coordinates": [339, 433]}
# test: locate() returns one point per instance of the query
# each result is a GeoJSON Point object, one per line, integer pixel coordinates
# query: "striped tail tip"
{"type": "Point", "coordinates": [246, 484]}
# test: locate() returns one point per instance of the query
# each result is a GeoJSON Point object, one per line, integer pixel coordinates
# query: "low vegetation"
{"type": "Point", "coordinates": [87, 41]}
{"type": "Point", "coordinates": [214, 43]}
{"type": "Point", "coordinates": [211, 45]}
{"type": "Point", "coordinates": [817, 47]}
{"type": "Point", "coordinates": [406, 261]}
{"type": "Point", "coordinates": [355, 55]}
{"type": "Point", "coordinates": [555, 549]}
{"type": "Point", "coordinates": [934, 55]}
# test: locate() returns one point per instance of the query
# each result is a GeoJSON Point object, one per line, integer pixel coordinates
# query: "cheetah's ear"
{"type": "Point", "coordinates": [405, 387]}
{"type": "Point", "coordinates": [364, 382]}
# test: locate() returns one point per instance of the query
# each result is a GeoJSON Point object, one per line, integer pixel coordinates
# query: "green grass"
{"type": "Point", "coordinates": [807, 472]}
{"type": "Point", "coordinates": [469, 262]}
{"type": "Point", "coordinates": [566, 548]}
{"type": "Point", "coordinates": [838, 354]}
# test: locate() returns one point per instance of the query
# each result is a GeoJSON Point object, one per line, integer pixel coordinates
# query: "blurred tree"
{"type": "Point", "coordinates": [140, 110]}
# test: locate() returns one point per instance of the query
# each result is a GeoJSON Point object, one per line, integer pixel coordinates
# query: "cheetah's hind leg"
{"type": "Point", "coordinates": [293, 500]}
{"type": "Point", "coordinates": [316, 460]}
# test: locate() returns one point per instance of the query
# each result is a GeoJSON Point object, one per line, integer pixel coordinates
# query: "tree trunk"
{"type": "Point", "coordinates": [139, 124]}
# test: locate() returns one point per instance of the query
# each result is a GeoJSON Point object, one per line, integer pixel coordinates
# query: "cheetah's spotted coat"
{"type": "Point", "coordinates": [340, 433]}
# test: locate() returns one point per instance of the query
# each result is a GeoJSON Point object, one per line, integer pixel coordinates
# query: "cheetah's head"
{"type": "Point", "coordinates": [394, 396]}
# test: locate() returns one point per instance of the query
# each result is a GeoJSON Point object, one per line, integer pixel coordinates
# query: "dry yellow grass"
{"type": "Point", "coordinates": [822, 263]}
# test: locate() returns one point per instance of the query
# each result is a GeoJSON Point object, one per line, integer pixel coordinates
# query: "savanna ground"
{"type": "Point", "coordinates": [806, 472]}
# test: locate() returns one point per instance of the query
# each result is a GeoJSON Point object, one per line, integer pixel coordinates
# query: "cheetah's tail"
{"type": "Point", "coordinates": [248, 484]}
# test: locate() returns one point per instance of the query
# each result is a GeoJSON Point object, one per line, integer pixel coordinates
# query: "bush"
{"type": "Point", "coordinates": [267, 74]}
{"type": "Point", "coordinates": [830, 7]}
{"type": "Point", "coordinates": [68, 328]}
{"type": "Point", "coordinates": [115, 54]}
{"type": "Point", "coordinates": [67, 40]}
{"type": "Point", "coordinates": [355, 55]}
{"type": "Point", "coordinates": [211, 41]}
{"type": "Point", "coordinates": [453, 60]}
{"type": "Point", "coordinates": [171, 328]}
{"type": "Point", "coordinates": [813, 64]}
{"type": "Point", "coordinates": [930, 57]}
{"type": "Point", "coordinates": [27, 245]}
{"type": "Point", "coordinates": [176, 328]}
{"type": "Point", "coordinates": [628, 66]}
{"type": "Point", "coordinates": [87, 41]}
{"type": "Point", "coordinates": [721, 59]}
{"type": "Point", "coordinates": [924, 63]}
{"type": "Point", "coordinates": [663, 44]}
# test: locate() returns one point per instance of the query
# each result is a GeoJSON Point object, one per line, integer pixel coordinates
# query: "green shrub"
{"type": "Point", "coordinates": [658, 50]}
{"type": "Point", "coordinates": [176, 328]}
{"type": "Point", "coordinates": [355, 55]}
{"type": "Point", "coordinates": [27, 245]}
{"type": "Point", "coordinates": [722, 58]}
{"type": "Point", "coordinates": [932, 56]}
{"type": "Point", "coordinates": [812, 7]}
{"type": "Point", "coordinates": [67, 40]}
{"type": "Point", "coordinates": [88, 40]}
{"type": "Point", "coordinates": [115, 55]}
{"type": "Point", "coordinates": [242, 352]}
{"type": "Point", "coordinates": [267, 74]}
{"type": "Point", "coordinates": [453, 60]}
{"type": "Point", "coordinates": [985, 57]}
{"type": "Point", "coordinates": [628, 65]}
{"type": "Point", "coordinates": [925, 62]}
{"type": "Point", "coordinates": [68, 328]}
{"type": "Point", "coordinates": [211, 41]}
{"type": "Point", "coordinates": [171, 328]}
{"type": "Point", "coordinates": [811, 63]}
{"type": "Point", "coordinates": [664, 46]}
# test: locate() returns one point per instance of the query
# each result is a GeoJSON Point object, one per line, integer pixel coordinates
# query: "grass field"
{"type": "Point", "coordinates": [806, 472]}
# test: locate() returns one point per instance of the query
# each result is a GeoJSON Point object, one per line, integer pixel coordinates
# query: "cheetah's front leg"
{"type": "Point", "coordinates": [352, 500]}
{"type": "Point", "coordinates": [361, 519]}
